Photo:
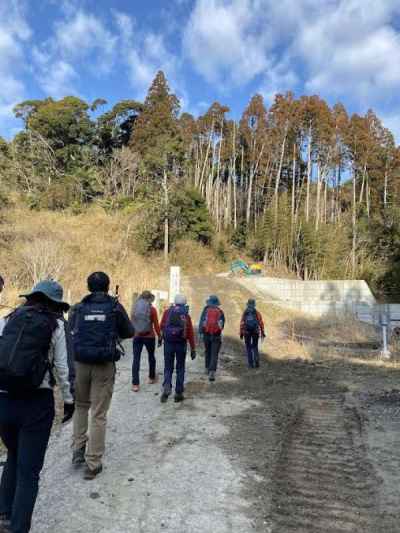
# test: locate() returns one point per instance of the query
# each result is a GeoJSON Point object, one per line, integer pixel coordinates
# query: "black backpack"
{"type": "Point", "coordinates": [94, 332]}
{"type": "Point", "coordinates": [24, 349]}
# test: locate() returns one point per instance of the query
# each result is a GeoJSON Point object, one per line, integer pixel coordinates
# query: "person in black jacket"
{"type": "Point", "coordinates": [96, 325]}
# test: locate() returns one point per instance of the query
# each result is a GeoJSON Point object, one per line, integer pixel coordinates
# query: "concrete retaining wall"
{"type": "Point", "coordinates": [323, 294]}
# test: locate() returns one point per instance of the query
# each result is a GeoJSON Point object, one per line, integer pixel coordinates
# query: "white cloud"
{"type": "Point", "coordinates": [340, 48]}
{"type": "Point", "coordinates": [144, 54]}
{"type": "Point", "coordinates": [80, 41]}
{"type": "Point", "coordinates": [14, 33]}
{"type": "Point", "coordinates": [224, 42]}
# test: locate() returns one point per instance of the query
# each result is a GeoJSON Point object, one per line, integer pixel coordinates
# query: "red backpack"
{"type": "Point", "coordinates": [213, 321]}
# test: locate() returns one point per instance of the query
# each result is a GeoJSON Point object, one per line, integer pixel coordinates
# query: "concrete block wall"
{"type": "Point", "coordinates": [316, 298]}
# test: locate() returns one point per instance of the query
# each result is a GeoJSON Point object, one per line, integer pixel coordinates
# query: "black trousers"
{"type": "Point", "coordinates": [212, 345]}
{"type": "Point", "coordinates": [150, 344]}
{"type": "Point", "coordinates": [25, 426]}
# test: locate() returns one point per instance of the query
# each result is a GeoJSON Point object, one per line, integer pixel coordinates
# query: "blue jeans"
{"type": "Point", "coordinates": [174, 351]}
{"type": "Point", "coordinates": [253, 357]}
{"type": "Point", "coordinates": [212, 345]}
{"type": "Point", "coordinates": [25, 426]}
{"type": "Point", "coordinates": [150, 345]}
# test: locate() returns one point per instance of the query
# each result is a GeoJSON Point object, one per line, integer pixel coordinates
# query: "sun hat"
{"type": "Point", "coordinates": [52, 290]}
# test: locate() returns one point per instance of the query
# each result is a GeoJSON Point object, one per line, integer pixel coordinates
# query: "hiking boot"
{"type": "Point", "coordinates": [211, 376]}
{"type": "Point", "coordinates": [257, 364]}
{"type": "Point", "coordinates": [135, 388]}
{"type": "Point", "coordinates": [179, 397]}
{"type": "Point", "coordinates": [4, 522]}
{"type": "Point", "coordinates": [78, 457]}
{"type": "Point", "coordinates": [164, 397]}
{"type": "Point", "coordinates": [91, 474]}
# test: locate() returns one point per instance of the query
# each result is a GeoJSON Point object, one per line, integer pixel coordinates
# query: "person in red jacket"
{"type": "Point", "coordinates": [251, 327]}
{"type": "Point", "coordinates": [145, 322]}
{"type": "Point", "coordinates": [177, 332]}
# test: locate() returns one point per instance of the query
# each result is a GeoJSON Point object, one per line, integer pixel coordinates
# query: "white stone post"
{"type": "Point", "coordinates": [174, 282]}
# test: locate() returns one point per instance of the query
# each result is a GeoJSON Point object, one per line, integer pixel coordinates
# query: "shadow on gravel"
{"type": "Point", "coordinates": [317, 452]}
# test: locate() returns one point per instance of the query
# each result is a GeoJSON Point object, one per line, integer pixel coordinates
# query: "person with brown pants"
{"type": "Point", "coordinates": [96, 324]}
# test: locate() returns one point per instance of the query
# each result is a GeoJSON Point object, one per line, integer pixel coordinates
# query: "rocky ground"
{"type": "Point", "coordinates": [302, 446]}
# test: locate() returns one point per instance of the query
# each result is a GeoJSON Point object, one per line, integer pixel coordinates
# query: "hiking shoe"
{"type": "Point", "coordinates": [135, 388]}
{"type": "Point", "coordinates": [4, 522]}
{"type": "Point", "coordinates": [211, 376]}
{"type": "Point", "coordinates": [164, 397]}
{"type": "Point", "coordinates": [179, 397]}
{"type": "Point", "coordinates": [91, 474]}
{"type": "Point", "coordinates": [257, 364]}
{"type": "Point", "coordinates": [78, 457]}
{"type": "Point", "coordinates": [152, 381]}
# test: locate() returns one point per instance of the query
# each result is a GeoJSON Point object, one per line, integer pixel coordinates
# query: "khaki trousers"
{"type": "Point", "coordinates": [94, 385]}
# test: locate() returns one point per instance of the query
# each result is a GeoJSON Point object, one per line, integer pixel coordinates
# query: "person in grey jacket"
{"type": "Point", "coordinates": [26, 422]}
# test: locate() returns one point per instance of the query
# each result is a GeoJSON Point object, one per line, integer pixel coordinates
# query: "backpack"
{"type": "Point", "coordinates": [24, 349]}
{"type": "Point", "coordinates": [94, 333]}
{"type": "Point", "coordinates": [213, 324]}
{"type": "Point", "coordinates": [251, 323]}
{"type": "Point", "coordinates": [141, 316]}
{"type": "Point", "coordinates": [175, 327]}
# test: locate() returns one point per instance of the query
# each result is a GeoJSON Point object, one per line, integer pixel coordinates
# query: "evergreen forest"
{"type": "Point", "coordinates": [300, 185]}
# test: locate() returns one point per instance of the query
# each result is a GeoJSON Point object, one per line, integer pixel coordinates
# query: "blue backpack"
{"type": "Point", "coordinates": [94, 333]}
{"type": "Point", "coordinates": [251, 323]}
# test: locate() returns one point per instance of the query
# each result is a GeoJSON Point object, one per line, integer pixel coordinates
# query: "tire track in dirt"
{"type": "Point", "coordinates": [322, 480]}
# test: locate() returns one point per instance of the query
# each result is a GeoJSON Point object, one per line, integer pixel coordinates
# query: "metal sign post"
{"type": "Point", "coordinates": [174, 282]}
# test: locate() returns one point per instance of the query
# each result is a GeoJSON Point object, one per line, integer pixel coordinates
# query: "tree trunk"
{"type": "Point", "coordinates": [308, 174]}
{"type": "Point", "coordinates": [166, 218]}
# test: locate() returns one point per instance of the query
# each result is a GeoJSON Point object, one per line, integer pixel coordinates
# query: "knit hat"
{"type": "Point", "coordinates": [213, 300]}
{"type": "Point", "coordinates": [180, 299]}
{"type": "Point", "coordinates": [251, 303]}
{"type": "Point", "coordinates": [52, 290]}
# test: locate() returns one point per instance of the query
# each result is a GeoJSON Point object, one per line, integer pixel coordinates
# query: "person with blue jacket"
{"type": "Point", "coordinates": [211, 325]}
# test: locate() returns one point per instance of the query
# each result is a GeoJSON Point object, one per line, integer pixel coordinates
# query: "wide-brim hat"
{"type": "Point", "coordinates": [213, 300]}
{"type": "Point", "coordinates": [52, 290]}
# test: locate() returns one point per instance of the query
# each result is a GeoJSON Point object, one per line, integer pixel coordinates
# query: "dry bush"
{"type": "Point", "coordinates": [195, 258]}
{"type": "Point", "coordinates": [43, 258]}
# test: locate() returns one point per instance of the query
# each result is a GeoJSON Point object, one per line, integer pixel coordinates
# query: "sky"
{"type": "Point", "coordinates": [225, 50]}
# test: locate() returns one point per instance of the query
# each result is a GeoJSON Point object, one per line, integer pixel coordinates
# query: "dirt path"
{"type": "Point", "coordinates": [294, 446]}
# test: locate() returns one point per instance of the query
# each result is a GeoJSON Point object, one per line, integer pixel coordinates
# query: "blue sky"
{"type": "Point", "coordinates": [225, 50]}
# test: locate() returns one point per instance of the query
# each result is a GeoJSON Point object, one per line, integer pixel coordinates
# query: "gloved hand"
{"type": "Point", "coordinates": [241, 337]}
{"type": "Point", "coordinates": [263, 336]}
{"type": "Point", "coordinates": [160, 341]}
{"type": "Point", "coordinates": [193, 354]}
{"type": "Point", "coordinates": [69, 409]}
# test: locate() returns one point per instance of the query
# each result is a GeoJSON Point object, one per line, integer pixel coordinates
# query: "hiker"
{"type": "Point", "coordinates": [177, 332]}
{"type": "Point", "coordinates": [96, 324]}
{"type": "Point", "coordinates": [251, 327]}
{"type": "Point", "coordinates": [1, 284]}
{"type": "Point", "coordinates": [35, 335]}
{"type": "Point", "coordinates": [211, 325]}
{"type": "Point", "coordinates": [145, 322]}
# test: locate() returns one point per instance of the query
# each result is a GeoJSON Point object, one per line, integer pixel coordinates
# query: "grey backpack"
{"type": "Point", "coordinates": [141, 317]}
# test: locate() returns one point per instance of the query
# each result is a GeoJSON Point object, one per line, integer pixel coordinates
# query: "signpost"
{"type": "Point", "coordinates": [174, 282]}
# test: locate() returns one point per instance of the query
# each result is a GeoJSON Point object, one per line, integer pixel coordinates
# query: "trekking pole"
{"type": "Point", "coordinates": [117, 291]}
